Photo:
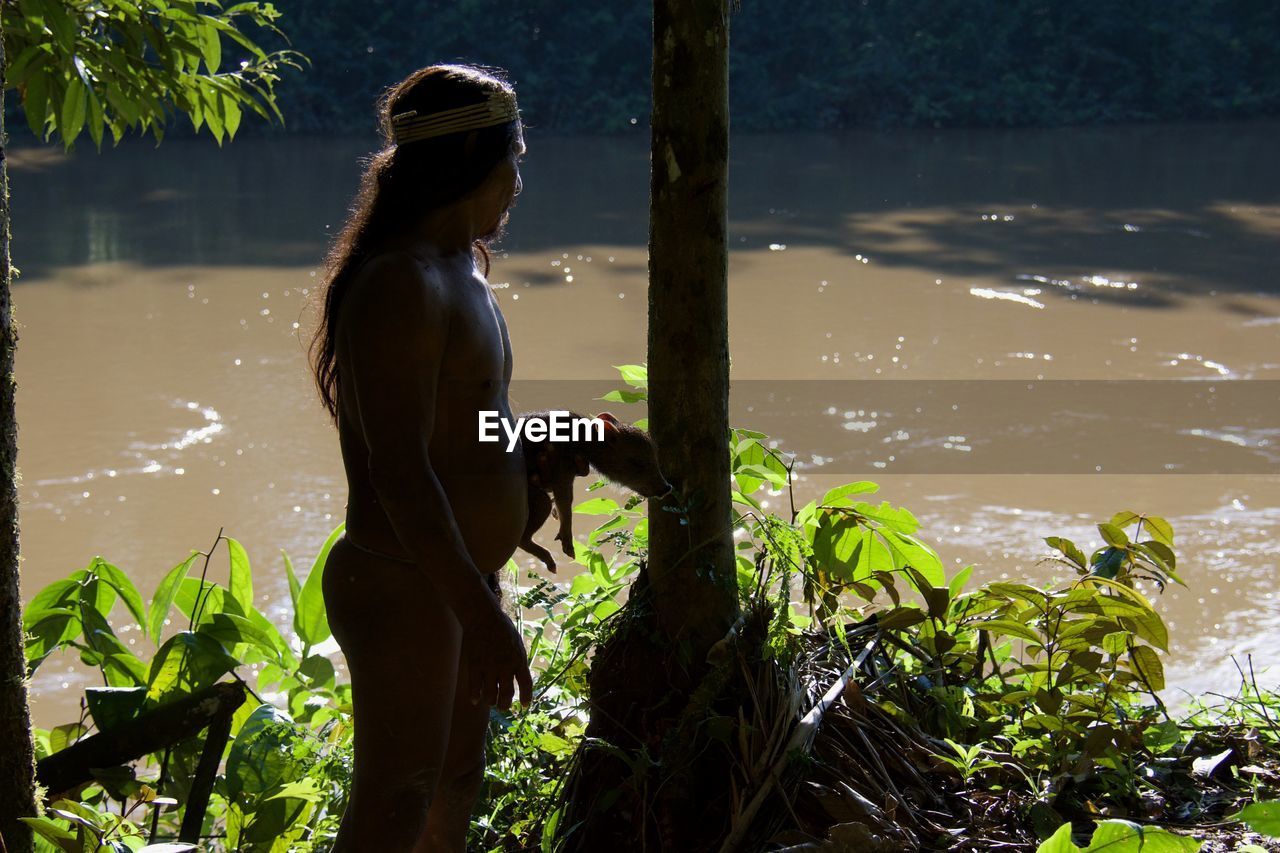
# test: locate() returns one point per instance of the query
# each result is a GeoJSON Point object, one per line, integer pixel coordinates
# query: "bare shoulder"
{"type": "Point", "coordinates": [394, 296]}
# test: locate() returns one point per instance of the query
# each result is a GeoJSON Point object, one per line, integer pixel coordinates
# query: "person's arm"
{"type": "Point", "coordinates": [394, 329]}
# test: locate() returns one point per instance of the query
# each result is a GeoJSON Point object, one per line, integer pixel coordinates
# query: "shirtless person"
{"type": "Point", "coordinates": [411, 348]}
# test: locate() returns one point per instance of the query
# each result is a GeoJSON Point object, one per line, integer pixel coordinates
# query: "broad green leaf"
{"type": "Point", "coordinates": [583, 583]}
{"type": "Point", "coordinates": [1068, 550]}
{"type": "Point", "coordinates": [210, 47]}
{"type": "Point", "coordinates": [74, 109]}
{"type": "Point", "coordinates": [1262, 817]}
{"type": "Point", "coordinates": [163, 599]}
{"type": "Point", "coordinates": [309, 620]}
{"type": "Point", "coordinates": [837, 496]}
{"type": "Point", "coordinates": [1124, 519]}
{"type": "Point", "coordinates": [1113, 535]}
{"type": "Point", "coordinates": [597, 506]}
{"type": "Point", "coordinates": [635, 375]}
{"type": "Point", "coordinates": [1059, 842]}
{"type": "Point", "coordinates": [61, 737]}
{"type": "Point", "coordinates": [48, 829]}
{"type": "Point", "coordinates": [128, 593]}
{"type": "Point", "coordinates": [55, 597]}
{"type": "Point", "coordinates": [187, 662]}
{"type": "Point", "coordinates": [1160, 530]}
{"type": "Point", "coordinates": [896, 519]}
{"type": "Point", "coordinates": [241, 579]}
{"type": "Point", "coordinates": [231, 629]}
{"type": "Point", "coordinates": [624, 396]}
{"type": "Point", "coordinates": [1008, 628]}
{"type": "Point", "coordinates": [267, 752]}
{"type": "Point", "coordinates": [1122, 836]}
{"type": "Point", "coordinates": [110, 706]}
{"type": "Point", "coordinates": [207, 598]}
{"type": "Point", "coordinates": [295, 588]}
{"type": "Point", "coordinates": [956, 585]}
{"type": "Point", "coordinates": [910, 551]}
{"type": "Point", "coordinates": [1146, 662]}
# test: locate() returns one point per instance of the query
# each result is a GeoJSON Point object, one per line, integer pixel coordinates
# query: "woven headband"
{"type": "Point", "coordinates": [498, 108]}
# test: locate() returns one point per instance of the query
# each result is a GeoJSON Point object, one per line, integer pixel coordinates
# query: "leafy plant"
{"type": "Point", "coordinates": [88, 66]}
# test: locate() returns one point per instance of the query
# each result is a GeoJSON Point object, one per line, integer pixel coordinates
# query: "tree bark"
{"type": "Point", "coordinates": [17, 753]}
{"type": "Point", "coordinates": [149, 732]}
{"type": "Point", "coordinates": [639, 782]}
{"type": "Point", "coordinates": [691, 562]}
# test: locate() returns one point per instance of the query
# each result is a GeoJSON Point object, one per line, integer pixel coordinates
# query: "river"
{"type": "Point", "coordinates": [987, 323]}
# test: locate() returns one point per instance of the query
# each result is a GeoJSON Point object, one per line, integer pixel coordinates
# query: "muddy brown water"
{"type": "Point", "coordinates": [1015, 333]}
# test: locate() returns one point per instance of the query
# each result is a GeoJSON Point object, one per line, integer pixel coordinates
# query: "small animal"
{"type": "Point", "coordinates": [625, 455]}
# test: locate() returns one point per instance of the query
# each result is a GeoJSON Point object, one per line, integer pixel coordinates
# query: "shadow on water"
{"type": "Point", "coordinates": [1139, 215]}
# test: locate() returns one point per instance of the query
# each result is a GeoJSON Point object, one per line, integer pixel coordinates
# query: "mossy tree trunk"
{"type": "Point", "coordinates": [640, 782]}
{"type": "Point", "coordinates": [17, 756]}
{"type": "Point", "coordinates": [691, 553]}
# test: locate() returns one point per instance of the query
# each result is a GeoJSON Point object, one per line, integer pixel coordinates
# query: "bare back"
{"type": "Point", "coordinates": [485, 485]}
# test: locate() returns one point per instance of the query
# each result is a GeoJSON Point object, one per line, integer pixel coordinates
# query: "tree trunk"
{"type": "Point", "coordinates": [691, 554]}
{"type": "Point", "coordinates": [17, 755]}
{"type": "Point", "coordinates": [639, 783]}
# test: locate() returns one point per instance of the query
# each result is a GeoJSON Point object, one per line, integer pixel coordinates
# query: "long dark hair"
{"type": "Point", "coordinates": [401, 184]}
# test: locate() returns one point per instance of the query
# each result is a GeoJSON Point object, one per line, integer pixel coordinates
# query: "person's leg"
{"type": "Point", "coordinates": [463, 773]}
{"type": "Point", "coordinates": [460, 778]}
{"type": "Point", "coordinates": [401, 644]}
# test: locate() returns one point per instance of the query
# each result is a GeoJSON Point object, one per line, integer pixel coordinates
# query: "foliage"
{"type": "Point", "coordinates": [94, 66]}
{"type": "Point", "coordinates": [814, 65]}
{"type": "Point", "coordinates": [1121, 836]}
{"type": "Point", "coordinates": [289, 758]}
{"type": "Point", "coordinates": [1045, 694]}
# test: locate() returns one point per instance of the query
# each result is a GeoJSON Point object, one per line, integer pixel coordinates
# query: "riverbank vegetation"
{"type": "Point", "coordinates": [887, 705]}
{"type": "Point", "coordinates": [809, 64]}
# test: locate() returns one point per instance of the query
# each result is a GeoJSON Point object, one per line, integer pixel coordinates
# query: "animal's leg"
{"type": "Point", "coordinates": [563, 494]}
{"type": "Point", "coordinates": [539, 509]}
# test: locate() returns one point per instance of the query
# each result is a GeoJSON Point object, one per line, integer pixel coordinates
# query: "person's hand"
{"type": "Point", "coordinates": [494, 654]}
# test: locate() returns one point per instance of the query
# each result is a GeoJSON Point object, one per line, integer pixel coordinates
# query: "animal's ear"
{"type": "Point", "coordinates": [610, 424]}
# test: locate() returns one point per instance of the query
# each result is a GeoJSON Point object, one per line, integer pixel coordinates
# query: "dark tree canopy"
{"type": "Point", "coordinates": [811, 64]}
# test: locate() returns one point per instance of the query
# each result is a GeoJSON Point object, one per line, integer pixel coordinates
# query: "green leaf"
{"type": "Point", "coordinates": [110, 706]}
{"type": "Point", "coordinates": [1008, 628]}
{"type": "Point", "coordinates": [241, 581]}
{"type": "Point", "coordinates": [162, 601]}
{"type": "Point", "coordinates": [74, 106]}
{"type": "Point", "coordinates": [597, 506]}
{"type": "Point", "coordinates": [1113, 535]}
{"type": "Point", "coordinates": [897, 519]}
{"type": "Point", "coordinates": [266, 753]}
{"type": "Point", "coordinates": [295, 588]}
{"type": "Point", "coordinates": [1124, 519]}
{"type": "Point", "coordinates": [910, 551]}
{"type": "Point", "coordinates": [1122, 836]}
{"type": "Point", "coordinates": [1059, 842]}
{"type": "Point", "coordinates": [187, 662]}
{"type": "Point", "coordinates": [231, 628]}
{"type": "Point", "coordinates": [624, 396]}
{"type": "Point", "coordinates": [1262, 817]}
{"type": "Point", "coordinates": [120, 582]}
{"type": "Point", "coordinates": [61, 737]}
{"type": "Point", "coordinates": [837, 496]}
{"type": "Point", "coordinates": [635, 375]}
{"type": "Point", "coordinates": [1160, 530]}
{"type": "Point", "coordinates": [53, 832]}
{"type": "Point", "coordinates": [956, 585]}
{"type": "Point", "coordinates": [210, 47]}
{"type": "Point", "coordinates": [1146, 662]}
{"type": "Point", "coordinates": [1068, 549]}
{"type": "Point", "coordinates": [310, 620]}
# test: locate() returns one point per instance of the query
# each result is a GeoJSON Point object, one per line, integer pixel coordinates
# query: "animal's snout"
{"type": "Point", "coordinates": [658, 489]}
